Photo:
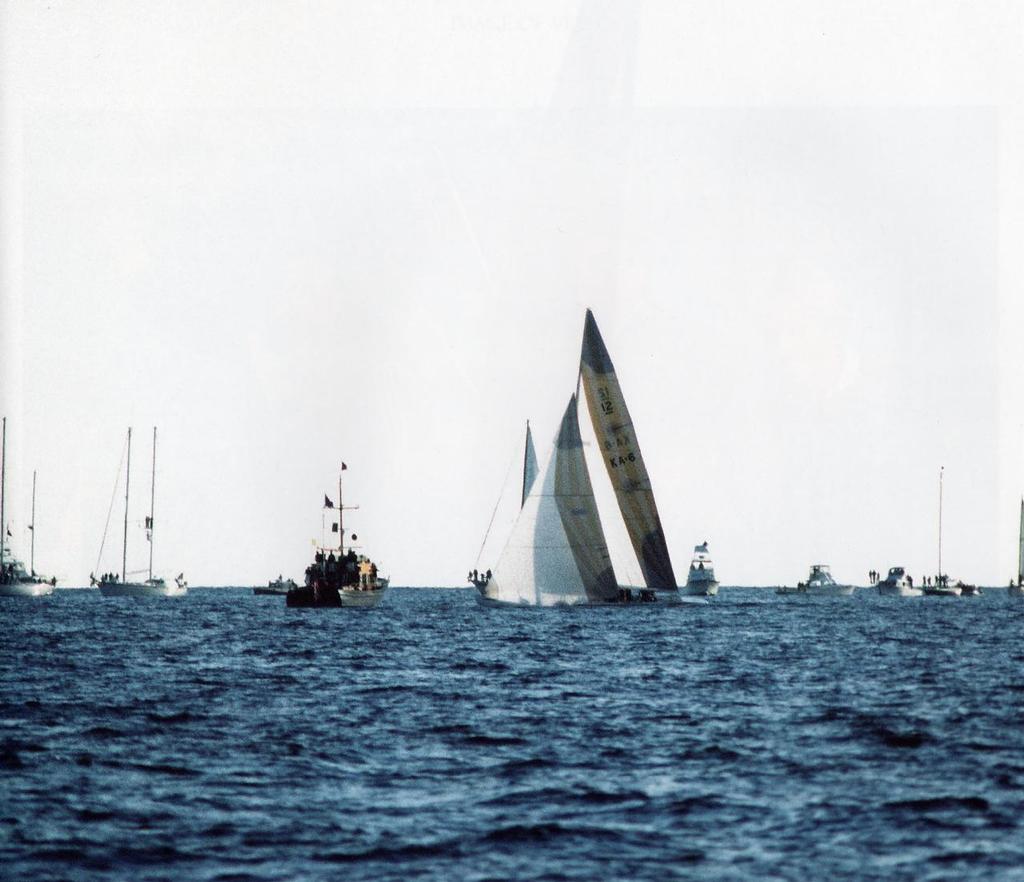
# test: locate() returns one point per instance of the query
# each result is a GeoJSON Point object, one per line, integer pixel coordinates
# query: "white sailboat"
{"type": "Point", "coordinates": [557, 553]}
{"type": "Point", "coordinates": [15, 580]}
{"type": "Point", "coordinates": [1018, 589]}
{"type": "Point", "coordinates": [941, 585]}
{"type": "Point", "coordinates": [110, 584]}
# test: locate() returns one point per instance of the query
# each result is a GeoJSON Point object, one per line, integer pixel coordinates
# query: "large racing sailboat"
{"type": "Point", "coordinates": [1018, 589]}
{"type": "Point", "coordinates": [112, 585]}
{"type": "Point", "coordinates": [15, 580]}
{"type": "Point", "coordinates": [557, 553]}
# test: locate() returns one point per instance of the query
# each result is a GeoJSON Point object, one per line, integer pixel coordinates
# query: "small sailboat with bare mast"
{"type": "Point", "coordinates": [110, 584]}
{"type": "Point", "coordinates": [1018, 589]}
{"type": "Point", "coordinates": [15, 580]}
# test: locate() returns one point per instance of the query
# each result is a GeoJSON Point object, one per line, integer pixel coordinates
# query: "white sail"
{"type": "Point", "coordinates": [529, 466]}
{"type": "Point", "coordinates": [557, 552]}
{"type": "Point", "coordinates": [621, 452]}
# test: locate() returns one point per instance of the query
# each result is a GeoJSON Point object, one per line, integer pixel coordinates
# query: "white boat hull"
{"type": "Point", "coordinates": [561, 600]}
{"type": "Point", "coordinates": [819, 590]}
{"type": "Point", "coordinates": [140, 589]}
{"type": "Point", "coordinates": [360, 599]}
{"type": "Point", "coordinates": [898, 590]}
{"type": "Point", "coordinates": [699, 589]}
{"type": "Point", "coordinates": [26, 589]}
{"type": "Point", "coordinates": [949, 591]}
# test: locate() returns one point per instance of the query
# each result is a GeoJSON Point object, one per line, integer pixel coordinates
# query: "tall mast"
{"type": "Point", "coordinates": [341, 518]}
{"type": "Point", "coordinates": [127, 479]}
{"type": "Point", "coordinates": [32, 528]}
{"type": "Point", "coordinates": [526, 450]}
{"type": "Point", "coordinates": [3, 486]}
{"type": "Point", "coordinates": [941, 469]}
{"type": "Point", "coordinates": [152, 503]}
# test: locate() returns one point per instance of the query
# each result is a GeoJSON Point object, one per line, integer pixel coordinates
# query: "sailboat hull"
{"type": "Point", "coordinates": [633, 598]}
{"type": "Point", "coordinates": [26, 589]}
{"type": "Point", "coordinates": [140, 589]}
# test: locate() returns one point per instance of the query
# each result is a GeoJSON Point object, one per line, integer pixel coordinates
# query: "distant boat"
{"type": "Point", "coordinates": [819, 583]}
{"type": "Point", "coordinates": [15, 580]}
{"type": "Point", "coordinates": [898, 584]}
{"type": "Point", "coordinates": [941, 585]}
{"type": "Point", "coordinates": [110, 584]}
{"type": "Point", "coordinates": [701, 580]}
{"type": "Point", "coordinates": [1018, 589]}
{"type": "Point", "coordinates": [338, 577]}
{"type": "Point", "coordinates": [557, 553]}
{"type": "Point", "coordinates": [277, 586]}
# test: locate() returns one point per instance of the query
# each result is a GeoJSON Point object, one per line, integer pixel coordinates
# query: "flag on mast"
{"type": "Point", "coordinates": [343, 466]}
{"type": "Point", "coordinates": [327, 502]}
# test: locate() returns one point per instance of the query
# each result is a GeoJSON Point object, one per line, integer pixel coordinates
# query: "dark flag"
{"type": "Point", "coordinates": [327, 502]}
{"type": "Point", "coordinates": [32, 527]}
{"type": "Point", "coordinates": [8, 529]}
{"type": "Point", "coordinates": [334, 527]}
{"type": "Point", "coordinates": [343, 466]}
{"type": "Point", "coordinates": [149, 523]}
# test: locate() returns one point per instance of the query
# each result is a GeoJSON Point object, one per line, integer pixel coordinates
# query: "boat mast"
{"type": "Point", "coordinates": [341, 517]}
{"type": "Point", "coordinates": [526, 454]}
{"type": "Point", "coordinates": [127, 478]}
{"type": "Point", "coordinates": [152, 501]}
{"type": "Point", "coordinates": [1020, 547]}
{"type": "Point", "coordinates": [3, 485]}
{"type": "Point", "coordinates": [32, 528]}
{"type": "Point", "coordinates": [941, 469]}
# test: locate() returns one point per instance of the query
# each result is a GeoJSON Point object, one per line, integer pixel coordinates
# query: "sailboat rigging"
{"type": "Point", "coordinates": [112, 585]}
{"type": "Point", "coordinates": [15, 580]}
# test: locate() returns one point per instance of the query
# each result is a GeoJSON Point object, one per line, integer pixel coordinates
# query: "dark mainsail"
{"type": "Point", "coordinates": [622, 459]}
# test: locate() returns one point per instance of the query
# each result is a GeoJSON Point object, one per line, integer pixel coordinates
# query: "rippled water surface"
{"type": "Point", "coordinates": [226, 737]}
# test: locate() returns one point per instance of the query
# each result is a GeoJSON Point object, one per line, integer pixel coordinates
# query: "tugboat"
{"type": "Point", "coordinates": [701, 579]}
{"type": "Point", "coordinates": [338, 577]}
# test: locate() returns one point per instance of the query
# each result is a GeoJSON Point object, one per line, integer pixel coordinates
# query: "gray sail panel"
{"type": "Point", "coordinates": [623, 460]}
{"type": "Point", "coordinates": [577, 508]}
{"type": "Point", "coordinates": [529, 466]}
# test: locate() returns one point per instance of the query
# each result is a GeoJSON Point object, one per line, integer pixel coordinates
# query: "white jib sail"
{"type": "Point", "coordinates": [529, 466]}
{"type": "Point", "coordinates": [556, 553]}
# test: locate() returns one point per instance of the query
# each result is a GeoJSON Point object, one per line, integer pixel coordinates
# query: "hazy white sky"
{"type": "Point", "coordinates": [291, 234]}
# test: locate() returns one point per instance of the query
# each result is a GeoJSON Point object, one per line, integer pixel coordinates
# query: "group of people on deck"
{"type": "Point", "coordinates": [478, 579]}
{"type": "Point", "coordinates": [342, 571]}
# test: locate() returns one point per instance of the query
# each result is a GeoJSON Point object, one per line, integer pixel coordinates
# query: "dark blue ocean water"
{"type": "Point", "coordinates": [226, 737]}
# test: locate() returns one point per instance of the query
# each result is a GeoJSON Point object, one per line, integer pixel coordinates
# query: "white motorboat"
{"type": "Point", "coordinates": [819, 584]}
{"type": "Point", "coordinates": [112, 585]}
{"type": "Point", "coordinates": [898, 584]}
{"type": "Point", "coordinates": [700, 581]}
{"type": "Point", "coordinates": [280, 585]}
{"type": "Point", "coordinates": [557, 553]}
{"type": "Point", "coordinates": [15, 579]}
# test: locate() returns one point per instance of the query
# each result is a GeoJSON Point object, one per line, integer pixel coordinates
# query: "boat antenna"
{"type": "Point", "coordinates": [32, 528]}
{"type": "Point", "coordinates": [127, 479]}
{"type": "Point", "coordinates": [152, 504]}
{"type": "Point", "coordinates": [3, 485]}
{"type": "Point", "coordinates": [941, 470]}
